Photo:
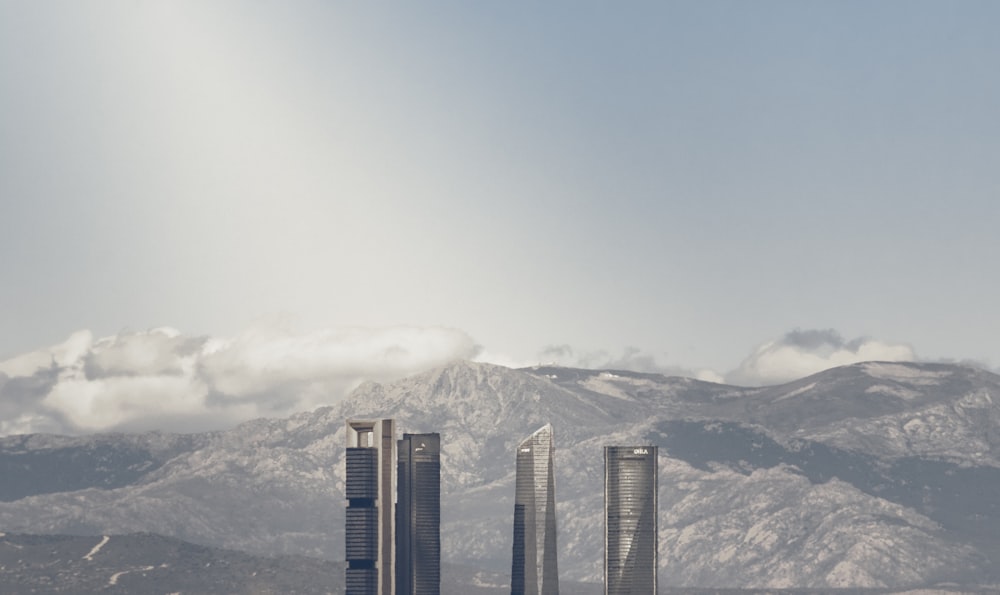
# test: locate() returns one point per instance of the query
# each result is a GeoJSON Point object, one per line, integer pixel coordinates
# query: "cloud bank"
{"type": "Point", "coordinates": [803, 352]}
{"type": "Point", "coordinates": [795, 355]}
{"type": "Point", "coordinates": [162, 379]}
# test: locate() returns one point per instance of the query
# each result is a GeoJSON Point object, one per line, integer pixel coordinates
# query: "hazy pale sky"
{"type": "Point", "coordinates": [683, 182]}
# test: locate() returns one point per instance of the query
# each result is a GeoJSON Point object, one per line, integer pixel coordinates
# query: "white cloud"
{"type": "Point", "coordinates": [161, 351]}
{"type": "Point", "coordinates": [94, 405]}
{"type": "Point", "coordinates": [63, 354]}
{"type": "Point", "coordinates": [162, 379]}
{"type": "Point", "coordinates": [707, 375]}
{"type": "Point", "coordinates": [801, 353]}
{"type": "Point", "coordinates": [503, 359]}
{"type": "Point", "coordinates": [797, 354]}
{"type": "Point", "coordinates": [29, 423]}
{"type": "Point", "coordinates": [632, 358]}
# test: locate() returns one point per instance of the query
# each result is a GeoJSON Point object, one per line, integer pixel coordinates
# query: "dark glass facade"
{"type": "Point", "coordinates": [418, 515]}
{"type": "Point", "coordinates": [534, 567]}
{"type": "Point", "coordinates": [362, 475]}
{"type": "Point", "coordinates": [361, 528]}
{"type": "Point", "coordinates": [361, 580]}
{"type": "Point", "coordinates": [631, 544]}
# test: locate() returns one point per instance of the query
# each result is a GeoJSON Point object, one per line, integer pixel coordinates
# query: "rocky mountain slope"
{"type": "Point", "coordinates": [875, 475]}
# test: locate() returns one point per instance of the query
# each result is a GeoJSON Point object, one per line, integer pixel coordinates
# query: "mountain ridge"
{"type": "Point", "coordinates": [740, 468]}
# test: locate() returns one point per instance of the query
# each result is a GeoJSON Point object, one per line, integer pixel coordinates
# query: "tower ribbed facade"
{"type": "Point", "coordinates": [370, 490]}
{"type": "Point", "coordinates": [534, 570]}
{"type": "Point", "coordinates": [418, 515]}
{"type": "Point", "coordinates": [631, 544]}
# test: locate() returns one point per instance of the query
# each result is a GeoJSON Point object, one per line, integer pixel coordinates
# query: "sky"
{"type": "Point", "coordinates": [212, 210]}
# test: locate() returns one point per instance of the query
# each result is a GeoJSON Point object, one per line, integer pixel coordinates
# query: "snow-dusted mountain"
{"type": "Point", "coordinates": [870, 475]}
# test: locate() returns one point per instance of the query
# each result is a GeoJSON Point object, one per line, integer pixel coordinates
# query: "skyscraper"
{"type": "Point", "coordinates": [418, 515]}
{"type": "Point", "coordinates": [534, 570]}
{"type": "Point", "coordinates": [370, 490]}
{"type": "Point", "coordinates": [631, 540]}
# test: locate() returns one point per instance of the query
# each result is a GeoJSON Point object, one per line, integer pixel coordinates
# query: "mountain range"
{"type": "Point", "coordinates": [870, 476]}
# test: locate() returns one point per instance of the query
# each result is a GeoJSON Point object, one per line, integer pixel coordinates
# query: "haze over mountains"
{"type": "Point", "coordinates": [874, 475]}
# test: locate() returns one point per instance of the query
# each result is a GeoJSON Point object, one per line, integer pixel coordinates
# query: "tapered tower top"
{"type": "Point", "coordinates": [544, 431]}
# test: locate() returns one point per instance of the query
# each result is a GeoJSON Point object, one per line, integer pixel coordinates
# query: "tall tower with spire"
{"type": "Point", "coordinates": [535, 570]}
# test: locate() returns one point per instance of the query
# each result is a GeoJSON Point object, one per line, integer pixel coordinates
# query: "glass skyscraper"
{"type": "Point", "coordinates": [370, 490]}
{"type": "Point", "coordinates": [534, 570]}
{"type": "Point", "coordinates": [418, 515]}
{"type": "Point", "coordinates": [631, 540]}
